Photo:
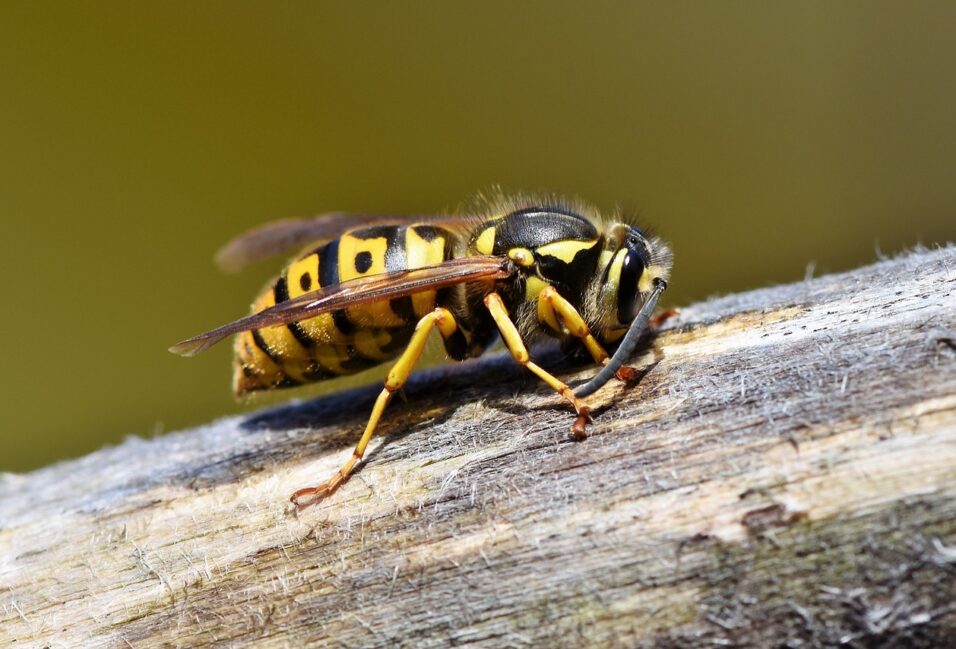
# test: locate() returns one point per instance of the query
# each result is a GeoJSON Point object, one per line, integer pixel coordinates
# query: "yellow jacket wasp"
{"type": "Point", "coordinates": [369, 288]}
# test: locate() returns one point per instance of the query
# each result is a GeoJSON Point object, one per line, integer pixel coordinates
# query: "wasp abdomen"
{"type": "Point", "coordinates": [348, 340]}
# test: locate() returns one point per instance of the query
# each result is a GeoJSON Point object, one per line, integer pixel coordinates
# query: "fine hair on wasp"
{"type": "Point", "coordinates": [367, 289]}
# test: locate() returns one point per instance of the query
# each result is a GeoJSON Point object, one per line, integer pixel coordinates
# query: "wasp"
{"type": "Point", "coordinates": [372, 288]}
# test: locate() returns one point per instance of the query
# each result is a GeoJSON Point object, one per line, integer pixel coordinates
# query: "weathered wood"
{"type": "Point", "coordinates": [785, 474]}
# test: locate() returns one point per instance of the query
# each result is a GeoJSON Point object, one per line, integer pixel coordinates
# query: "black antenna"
{"type": "Point", "coordinates": [627, 345]}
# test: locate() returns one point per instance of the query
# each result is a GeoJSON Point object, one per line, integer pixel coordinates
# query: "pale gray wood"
{"type": "Point", "coordinates": [785, 475]}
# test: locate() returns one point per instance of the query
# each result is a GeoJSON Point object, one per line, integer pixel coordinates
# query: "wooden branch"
{"type": "Point", "coordinates": [784, 475]}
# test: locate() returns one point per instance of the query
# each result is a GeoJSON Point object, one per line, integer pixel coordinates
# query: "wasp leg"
{"type": "Point", "coordinates": [509, 333]}
{"type": "Point", "coordinates": [397, 376]}
{"type": "Point", "coordinates": [551, 303]}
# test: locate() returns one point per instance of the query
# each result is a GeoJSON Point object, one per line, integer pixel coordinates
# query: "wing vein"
{"type": "Point", "coordinates": [356, 292]}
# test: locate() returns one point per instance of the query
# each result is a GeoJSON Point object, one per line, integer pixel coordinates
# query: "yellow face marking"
{"type": "Point", "coordinates": [646, 283]}
{"type": "Point", "coordinates": [614, 272]}
{"type": "Point", "coordinates": [565, 250]}
{"type": "Point", "coordinates": [605, 258]}
{"type": "Point", "coordinates": [521, 256]}
{"type": "Point", "coordinates": [421, 252]}
{"type": "Point", "coordinates": [485, 243]}
{"type": "Point", "coordinates": [612, 286]}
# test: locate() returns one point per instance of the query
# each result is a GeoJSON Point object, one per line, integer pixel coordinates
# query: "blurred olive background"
{"type": "Point", "coordinates": [137, 137]}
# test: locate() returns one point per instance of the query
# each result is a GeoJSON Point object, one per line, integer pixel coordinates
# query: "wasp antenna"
{"type": "Point", "coordinates": [627, 345]}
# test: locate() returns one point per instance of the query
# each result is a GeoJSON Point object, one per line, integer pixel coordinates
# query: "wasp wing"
{"type": "Point", "coordinates": [290, 234]}
{"type": "Point", "coordinates": [363, 290]}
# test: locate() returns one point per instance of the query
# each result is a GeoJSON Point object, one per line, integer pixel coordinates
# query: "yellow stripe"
{"type": "Point", "coordinates": [308, 267]}
{"type": "Point", "coordinates": [485, 243]}
{"type": "Point", "coordinates": [378, 314]}
{"type": "Point", "coordinates": [614, 284]}
{"type": "Point", "coordinates": [247, 355]}
{"type": "Point", "coordinates": [321, 328]}
{"type": "Point", "coordinates": [349, 249]}
{"type": "Point", "coordinates": [421, 252]}
{"type": "Point", "coordinates": [614, 274]}
{"type": "Point", "coordinates": [369, 343]}
{"type": "Point", "coordinates": [330, 357]}
{"type": "Point", "coordinates": [605, 258]}
{"type": "Point", "coordinates": [565, 250]}
{"type": "Point", "coordinates": [280, 340]}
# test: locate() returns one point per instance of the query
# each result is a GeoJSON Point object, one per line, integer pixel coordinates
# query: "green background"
{"type": "Point", "coordinates": [136, 138]}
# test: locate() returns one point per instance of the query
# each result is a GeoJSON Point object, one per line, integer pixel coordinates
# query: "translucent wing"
{"type": "Point", "coordinates": [355, 292]}
{"type": "Point", "coordinates": [286, 235]}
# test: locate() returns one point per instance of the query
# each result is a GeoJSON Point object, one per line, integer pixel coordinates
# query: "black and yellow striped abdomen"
{"type": "Point", "coordinates": [351, 339]}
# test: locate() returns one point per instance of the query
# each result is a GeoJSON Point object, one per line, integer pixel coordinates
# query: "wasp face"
{"type": "Point", "coordinates": [635, 261]}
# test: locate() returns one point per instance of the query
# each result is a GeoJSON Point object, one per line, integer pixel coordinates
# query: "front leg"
{"type": "Point", "coordinates": [552, 304]}
{"type": "Point", "coordinates": [512, 339]}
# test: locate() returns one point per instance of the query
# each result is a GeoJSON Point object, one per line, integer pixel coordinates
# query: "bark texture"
{"type": "Point", "coordinates": [783, 475]}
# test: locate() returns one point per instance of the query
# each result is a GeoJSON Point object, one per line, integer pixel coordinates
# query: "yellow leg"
{"type": "Point", "coordinates": [397, 376]}
{"type": "Point", "coordinates": [550, 302]}
{"type": "Point", "coordinates": [509, 333]}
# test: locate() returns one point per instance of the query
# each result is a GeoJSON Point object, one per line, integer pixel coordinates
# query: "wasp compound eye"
{"type": "Point", "coordinates": [632, 267]}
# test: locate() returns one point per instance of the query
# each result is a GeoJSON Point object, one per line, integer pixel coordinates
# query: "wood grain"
{"type": "Point", "coordinates": [784, 474]}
